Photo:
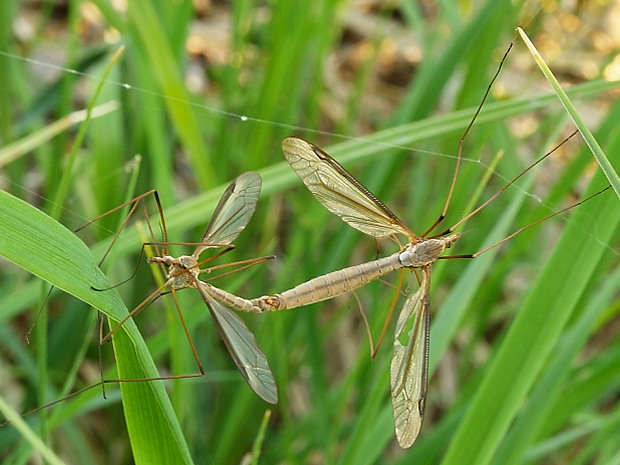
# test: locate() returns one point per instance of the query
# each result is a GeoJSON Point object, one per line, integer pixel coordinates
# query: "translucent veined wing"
{"type": "Point", "coordinates": [243, 348]}
{"type": "Point", "coordinates": [340, 192]}
{"type": "Point", "coordinates": [409, 367]}
{"type": "Point", "coordinates": [233, 211]}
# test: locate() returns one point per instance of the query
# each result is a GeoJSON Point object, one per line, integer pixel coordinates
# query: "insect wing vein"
{"type": "Point", "coordinates": [340, 192]}
{"type": "Point", "coordinates": [243, 348]}
{"type": "Point", "coordinates": [409, 367]}
{"type": "Point", "coordinates": [233, 211]}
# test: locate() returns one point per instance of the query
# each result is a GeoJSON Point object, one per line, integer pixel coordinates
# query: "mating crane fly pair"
{"type": "Point", "coordinates": [346, 197]}
{"type": "Point", "coordinates": [338, 191]}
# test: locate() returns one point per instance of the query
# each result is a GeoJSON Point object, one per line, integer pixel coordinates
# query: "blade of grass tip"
{"type": "Point", "coordinates": [260, 437]}
{"type": "Point", "coordinates": [28, 434]}
{"type": "Point", "coordinates": [596, 150]}
{"type": "Point", "coordinates": [27, 144]}
{"type": "Point", "coordinates": [45, 248]}
{"type": "Point", "coordinates": [133, 166]}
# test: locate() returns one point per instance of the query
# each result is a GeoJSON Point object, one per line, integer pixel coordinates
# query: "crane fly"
{"type": "Point", "coordinates": [338, 191]}
{"type": "Point", "coordinates": [230, 217]}
{"type": "Point", "coordinates": [346, 197]}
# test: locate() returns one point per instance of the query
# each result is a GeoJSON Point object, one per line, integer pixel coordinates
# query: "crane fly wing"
{"type": "Point", "coordinates": [340, 192]}
{"type": "Point", "coordinates": [243, 348]}
{"type": "Point", "coordinates": [233, 211]}
{"type": "Point", "coordinates": [409, 367]}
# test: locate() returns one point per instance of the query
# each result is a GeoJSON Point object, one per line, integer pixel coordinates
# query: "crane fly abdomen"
{"type": "Point", "coordinates": [330, 285]}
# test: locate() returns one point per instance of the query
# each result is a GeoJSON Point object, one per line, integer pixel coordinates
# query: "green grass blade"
{"type": "Point", "coordinates": [527, 427]}
{"type": "Point", "coordinates": [19, 148]}
{"type": "Point", "coordinates": [28, 434]}
{"type": "Point", "coordinates": [144, 18]}
{"type": "Point", "coordinates": [534, 333]}
{"type": "Point", "coordinates": [47, 249]}
{"type": "Point", "coordinates": [596, 149]}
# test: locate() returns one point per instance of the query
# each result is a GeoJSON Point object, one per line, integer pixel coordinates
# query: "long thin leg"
{"type": "Point", "coordinates": [250, 262]}
{"type": "Point", "coordinates": [134, 205]}
{"type": "Point", "coordinates": [389, 315]}
{"type": "Point", "coordinates": [461, 143]}
{"type": "Point", "coordinates": [137, 310]}
{"type": "Point", "coordinates": [498, 193]}
{"type": "Point", "coordinates": [520, 230]}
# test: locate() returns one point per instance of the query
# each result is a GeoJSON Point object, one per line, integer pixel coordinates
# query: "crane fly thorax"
{"type": "Point", "coordinates": [182, 271]}
{"type": "Point", "coordinates": [426, 252]}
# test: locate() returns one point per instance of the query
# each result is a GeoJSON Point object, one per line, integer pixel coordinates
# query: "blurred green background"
{"type": "Point", "coordinates": [525, 357]}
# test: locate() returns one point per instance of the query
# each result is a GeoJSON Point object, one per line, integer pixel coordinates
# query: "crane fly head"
{"type": "Point", "coordinates": [451, 239]}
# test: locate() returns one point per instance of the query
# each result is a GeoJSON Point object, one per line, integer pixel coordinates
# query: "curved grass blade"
{"type": "Point", "coordinates": [591, 142]}
{"type": "Point", "coordinates": [45, 248]}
